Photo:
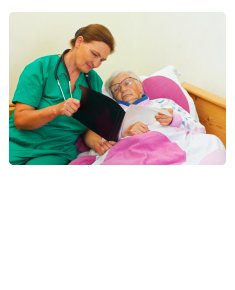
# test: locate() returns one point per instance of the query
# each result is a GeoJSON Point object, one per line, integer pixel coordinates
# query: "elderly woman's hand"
{"type": "Point", "coordinates": [136, 129]}
{"type": "Point", "coordinates": [164, 120]}
{"type": "Point", "coordinates": [68, 107]}
{"type": "Point", "coordinates": [103, 145]}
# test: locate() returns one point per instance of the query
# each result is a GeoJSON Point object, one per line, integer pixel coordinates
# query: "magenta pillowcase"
{"type": "Point", "coordinates": [156, 87]}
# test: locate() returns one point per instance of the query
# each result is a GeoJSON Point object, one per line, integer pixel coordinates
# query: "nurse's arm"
{"type": "Point", "coordinates": [27, 118]}
{"type": "Point", "coordinates": [94, 141]}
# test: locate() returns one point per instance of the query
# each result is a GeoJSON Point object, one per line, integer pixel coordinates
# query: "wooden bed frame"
{"type": "Point", "coordinates": [211, 110]}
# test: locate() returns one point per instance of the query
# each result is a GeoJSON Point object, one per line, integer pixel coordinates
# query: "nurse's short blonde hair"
{"type": "Point", "coordinates": [113, 76]}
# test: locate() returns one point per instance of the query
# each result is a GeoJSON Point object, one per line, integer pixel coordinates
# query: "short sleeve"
{"type": "Point", "coordinates": [30, 86]}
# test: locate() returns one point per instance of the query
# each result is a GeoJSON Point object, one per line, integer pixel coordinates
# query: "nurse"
{"type": "Point", "coordinates": [41, 129]}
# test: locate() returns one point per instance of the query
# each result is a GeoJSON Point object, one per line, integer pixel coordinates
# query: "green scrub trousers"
{"type": "Point", "coordinates": [48, 160]}
{"type": "Point", "coordinates": [54, 143]}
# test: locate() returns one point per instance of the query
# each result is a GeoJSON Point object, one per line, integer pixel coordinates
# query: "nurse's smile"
{"type": "Point", "coordinates": [89, 66]}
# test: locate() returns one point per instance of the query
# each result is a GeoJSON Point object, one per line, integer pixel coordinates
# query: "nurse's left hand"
{"type": "Point", "coordinates": [103, 145]}
{"type": "Point", "coordinates": [68, 107]}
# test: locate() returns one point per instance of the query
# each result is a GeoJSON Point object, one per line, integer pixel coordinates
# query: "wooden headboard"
{"type": "Point", "coordinates": [211, 110]}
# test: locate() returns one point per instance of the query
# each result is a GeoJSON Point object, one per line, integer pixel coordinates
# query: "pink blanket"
{"type": "Point", "coordinates": [163, 146]}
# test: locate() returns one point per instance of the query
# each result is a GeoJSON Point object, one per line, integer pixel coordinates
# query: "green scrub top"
{"type": "Point", "coordinates": [38, 87]}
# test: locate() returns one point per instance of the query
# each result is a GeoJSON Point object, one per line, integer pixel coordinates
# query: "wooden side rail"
{"type": "Point", "coordinates": [211, 110]}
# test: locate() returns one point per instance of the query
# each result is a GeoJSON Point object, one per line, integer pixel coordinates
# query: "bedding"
{"type": "Point", "coordinates": [163, 145]}
{"type": "Point", "coordinates": [161, 84]}
{"type": "Point", "coordinates": [183, 142]}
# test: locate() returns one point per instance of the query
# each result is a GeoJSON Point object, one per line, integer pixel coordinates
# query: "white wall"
{"type": "Point", "coordinates": [146, 42]}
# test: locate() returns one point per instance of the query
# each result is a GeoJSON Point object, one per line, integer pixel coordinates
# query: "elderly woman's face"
{"type": "Point", "coordinates": [127, 92]}
{"type": "Point", "coordinates": [90, 55]}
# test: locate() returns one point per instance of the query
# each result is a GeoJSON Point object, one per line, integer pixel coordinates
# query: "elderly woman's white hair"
{"type": "Point", "coordinates": [113, 76]}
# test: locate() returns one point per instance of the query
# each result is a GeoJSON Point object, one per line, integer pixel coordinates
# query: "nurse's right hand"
{"type": "Point", "coordinates": [68, 107]}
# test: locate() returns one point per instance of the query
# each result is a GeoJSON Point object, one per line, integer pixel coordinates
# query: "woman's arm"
{"type": "Point", "coordinates": [27, 118]}
{"type": "Point", "coordinates": [94, 141]}
{"type": "Point", "coordinates": [183, 120]}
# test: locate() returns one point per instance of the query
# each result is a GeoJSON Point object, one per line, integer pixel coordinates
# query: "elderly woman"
{"type": "Point", "coordinates": [176, 139]}
{"type": "Point", "coordinates": [41, 128]}
{"type": "Point", "coordinates": [126, 88]}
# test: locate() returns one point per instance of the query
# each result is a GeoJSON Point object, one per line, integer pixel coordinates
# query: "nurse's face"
{"type": "Point", "coordinates": [90, 55]}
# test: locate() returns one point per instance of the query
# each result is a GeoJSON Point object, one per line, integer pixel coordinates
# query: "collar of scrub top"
{"type": "Point", "coordinates": [143, 101]}
{"type": "Point", "coordinates": [61, 59]}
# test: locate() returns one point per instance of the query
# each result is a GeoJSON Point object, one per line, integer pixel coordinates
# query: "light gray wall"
{"type": "Point", "coordinates": [146, 42]}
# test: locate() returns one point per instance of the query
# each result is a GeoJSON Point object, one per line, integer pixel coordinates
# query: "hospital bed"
{"type": "Point", "coordinates": [207, 107]}
{"type": "Point", "coordinates": [211, 110]}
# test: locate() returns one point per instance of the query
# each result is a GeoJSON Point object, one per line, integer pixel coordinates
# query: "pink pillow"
{"type": "Point", "coordinates": [156, 87]}
{"type": "Point", "coordinates": [165, 84]}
